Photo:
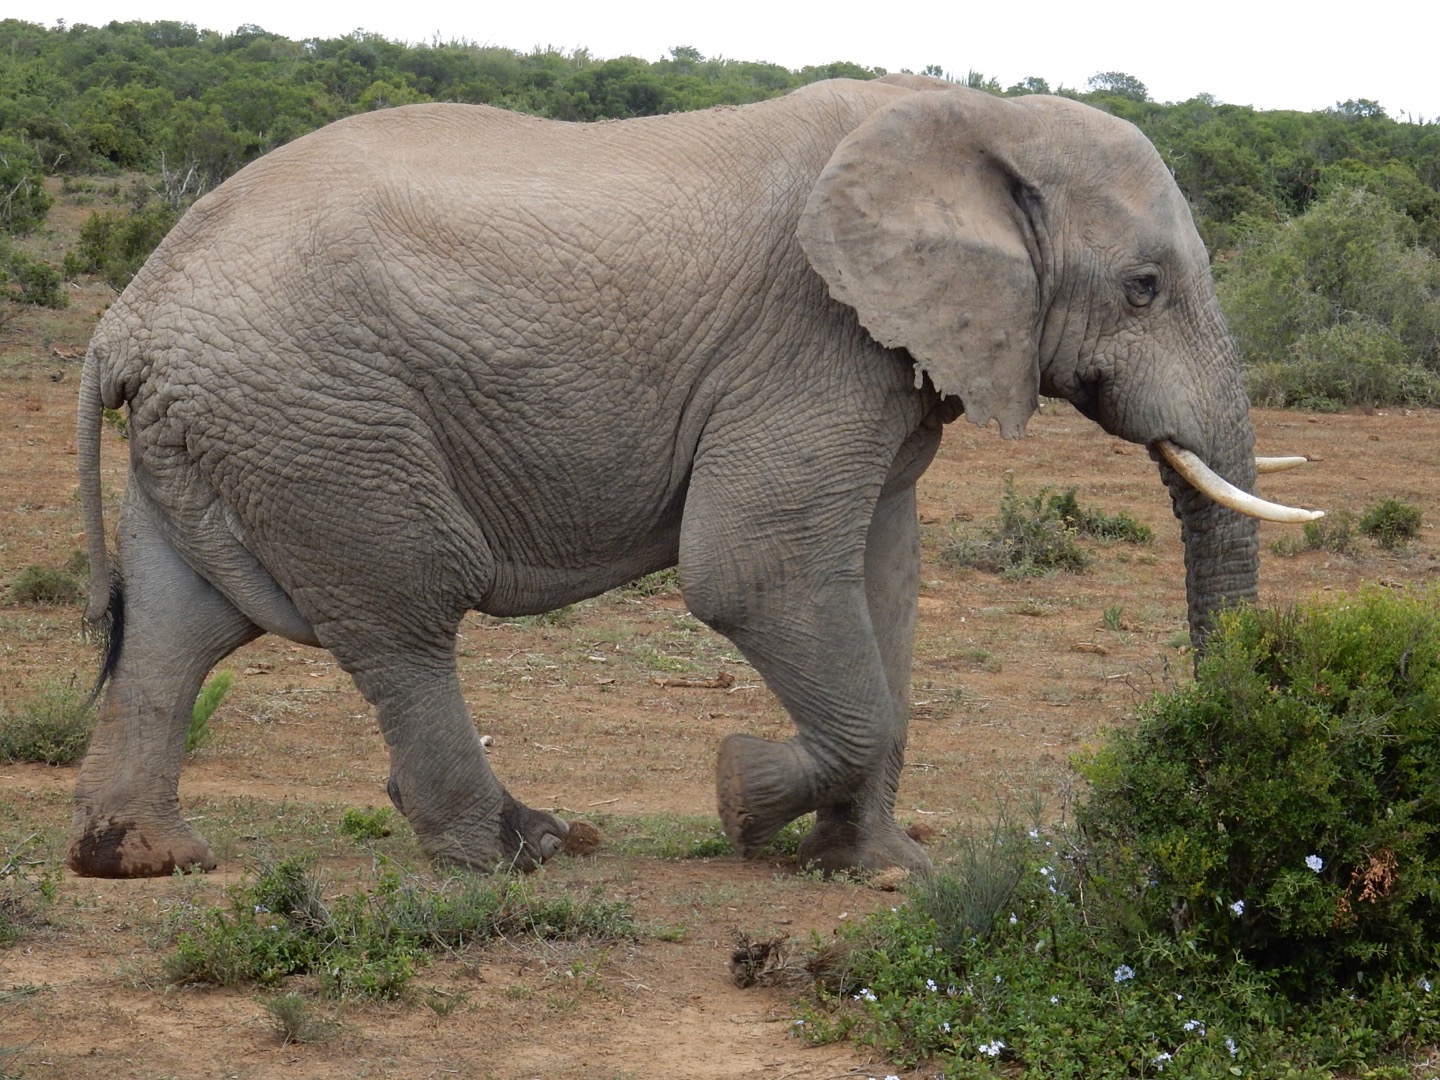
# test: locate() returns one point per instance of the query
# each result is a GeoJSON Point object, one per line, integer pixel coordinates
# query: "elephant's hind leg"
{"type": "Point", "coordinates": [176, 627]}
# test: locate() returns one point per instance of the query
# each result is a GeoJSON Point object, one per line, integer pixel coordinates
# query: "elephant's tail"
{"type": "Point", "coordinates": [105, 609]}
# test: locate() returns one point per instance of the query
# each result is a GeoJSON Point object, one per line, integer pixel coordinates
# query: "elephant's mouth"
{"type": "Point", "coordinates": [1205, 480]}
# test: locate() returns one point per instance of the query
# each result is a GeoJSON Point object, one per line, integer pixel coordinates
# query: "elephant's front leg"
{"type": "Point", "coordinates": [861, 831]}
{"type": "Point", "coordinates": [828, 620]}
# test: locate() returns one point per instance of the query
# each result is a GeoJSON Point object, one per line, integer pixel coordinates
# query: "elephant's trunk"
{"type": "Point", "coordinates": [1222, 547]}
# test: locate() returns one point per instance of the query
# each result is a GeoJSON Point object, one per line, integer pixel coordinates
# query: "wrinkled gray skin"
{"type": "Point", "coordinates": [444, 358]}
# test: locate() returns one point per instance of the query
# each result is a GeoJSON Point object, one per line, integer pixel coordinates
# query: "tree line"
{"type": "Point", "coordinates": [1296, 207]}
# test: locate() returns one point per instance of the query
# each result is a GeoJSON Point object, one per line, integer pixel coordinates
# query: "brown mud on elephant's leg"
{"type": "Point", "coordinates": [175, 628]}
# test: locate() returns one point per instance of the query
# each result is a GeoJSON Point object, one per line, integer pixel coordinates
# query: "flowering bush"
{"type": "Point", "coordinates": [1285, 807]}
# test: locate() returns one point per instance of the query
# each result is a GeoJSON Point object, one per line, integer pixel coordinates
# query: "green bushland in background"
{"type": "Point", "coordinates": [1324, 227]}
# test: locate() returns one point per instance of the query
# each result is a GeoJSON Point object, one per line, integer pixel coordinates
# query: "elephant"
{"type": "Point", "coordinates": [446, 358]}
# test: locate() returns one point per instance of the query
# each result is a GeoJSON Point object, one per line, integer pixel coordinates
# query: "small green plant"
{"type": "Point", "coordinates": [211, 695]}
{"type": "Point", "coordinates": [1088, 521]}
{"type": "Point", "coordinates": [28, 886]}
{"type": "Point", "coordinates": [295, 1020]}
{"type": "Point", "coordinates": [660, 583]}
{"type": "Point", "coordinates": [52, 727]}
{"type": "Point", "coordinates": [1335, 533]}
{"type": "Point", "coordinates": [370, 944]}
{"type": "Point", "coordinates": [1029, 538]}
{"type": "Point", "coordinates": [364, 825]}
{"type": "Point", "coordinates": [42, 585]}
{"type": "Point", "coordinates": [1392, 523]}
{"type": "Point", "coordinates": [1114, 618]}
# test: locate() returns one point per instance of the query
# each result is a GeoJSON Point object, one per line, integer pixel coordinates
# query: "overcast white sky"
{"type": "Point", "coordinates": [1247, 52]}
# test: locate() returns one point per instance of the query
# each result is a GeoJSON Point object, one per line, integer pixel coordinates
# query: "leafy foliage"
{"type": "Point", "coordinates": [1340, 306]}
{"type": "Point", "coordinates": [45, 585]}
{"type": "Point", "coordinates": [116, 245]}
{"type": "Point", "coordinates": [24, 201]}
{"type": "Point", "coordinates": [1286, 807]}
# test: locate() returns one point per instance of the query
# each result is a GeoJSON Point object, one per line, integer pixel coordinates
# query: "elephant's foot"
{"type": "Point", "coordinates": [837, 844]}
{"type": "Point", "coordinates": [761, 786]}
{"type": "Point", "coordinates": [119, 845]}
{"type": "Point", "coordinates": [521, 839]}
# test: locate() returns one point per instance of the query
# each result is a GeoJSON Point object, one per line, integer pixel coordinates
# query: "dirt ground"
{"type": "Point", "coordinates": [1011, 680]}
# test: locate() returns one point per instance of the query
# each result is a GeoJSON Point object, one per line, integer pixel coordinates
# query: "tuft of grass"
{"type": "Point", "coordinates": [28, 886]}
{"type": "Point", "coordinates": [211, 695]}
{"type": "Point", "coordinates": [670, 836]}
{"type": "Point", "coordinates": [295, 1020]}
{"type": "Point", "coordinates": [42, 585]}
{"type": "Point", "coordinates": [660, 583]}
{"type": "Point", "coordinates": [370, 944]}
{"type": "Point", "coordinates": [1391, 523]}
{"type": "Point", "coordinates": [51, 728]}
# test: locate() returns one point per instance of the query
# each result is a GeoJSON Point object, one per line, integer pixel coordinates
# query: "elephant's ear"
{"type": "Point", "coordinates": [919, 222]}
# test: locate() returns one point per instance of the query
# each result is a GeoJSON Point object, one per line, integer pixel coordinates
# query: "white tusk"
{"type": "Point", "coordinates": [1265, 465]}
{"type": "Point", "coordinates": [1206, 480]}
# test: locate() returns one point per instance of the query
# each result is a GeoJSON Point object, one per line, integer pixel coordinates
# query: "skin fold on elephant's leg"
{"type": "Point", "coordinates": [176, 627]}
{"type": "Point", "coordinates": [440, 778]}
{"type": "Point", "coordinates": [861, 831]}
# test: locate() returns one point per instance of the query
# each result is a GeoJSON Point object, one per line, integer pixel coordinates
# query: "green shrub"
{"type": "Point", "coordinates": [1286, 807]}
{"type": "Point", "coordinates": [366, 824]}
{"type": "Point", "coordinates": [24, 202]}
{"type": "Point", "coordinates": [51, 728]}
{"type": "Point", "coordinates": [115, 245]}
{"type": "Point", "coordinates": [29, 280]}
{"type": "Point", "coordinates": [1037, 534]}
{"type": "Point", "coordinates": [1335, 532]}
{"type": "Point", "coordinates": [42, 585]}
{"type": "Point", "coordinates": [295, 1020]}
{"type": "Point", "coordinates": [1392, 523]}
{"type": "Point", "coordinates": [371, 943]}
{"type": "Point", "coordinates": [211, 695]}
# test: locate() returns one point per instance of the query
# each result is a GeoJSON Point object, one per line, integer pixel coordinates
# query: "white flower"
{"type": "Point", "coordinates": [1034, 834]}
{"type": "Point", "coordinates": [1013, 919]}
{"type": "Point", "coordinates": [1159, 1060]}
{"type": "Point", "coordinates": [1054, 999]}
{"type": "Point", "coordinates": [991, 1049]}
{"type": "Point", "coordinates": [1046, 871]}
{"type": "Point", "coordinates": [1230, 1045]}
{"type": "Point", "coordinates": [930, 985]}
{"type": "Point", "coordinates": [1314, 862]}
{"type": "Point", "coordinates": [1237, 908]}
{"type": "Point", "coordinates": [866, 994]}
{"type": "Point", "coordinates": [1425, 985]}
{"type": "Point", "coordinates": [1124, 973]}
{"type": "Point", "coordinates": [1194, 1025]}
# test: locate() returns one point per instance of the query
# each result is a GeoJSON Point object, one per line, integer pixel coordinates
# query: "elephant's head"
{"type": "Point", "coordinates": [1036, 245]}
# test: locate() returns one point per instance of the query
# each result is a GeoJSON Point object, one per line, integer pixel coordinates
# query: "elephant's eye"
{"type": "Point", "coordinates": [1143, 289]}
